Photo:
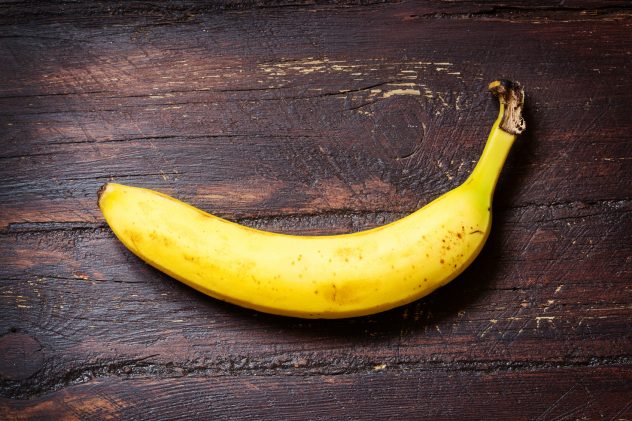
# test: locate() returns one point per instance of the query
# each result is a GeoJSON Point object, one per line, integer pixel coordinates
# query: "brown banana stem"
{"type": "Point", "coordinates": [511, 96]}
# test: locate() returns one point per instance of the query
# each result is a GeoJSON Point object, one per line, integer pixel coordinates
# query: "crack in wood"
{"type": "Point", "coordinates": [546, 12]}
{"type": "Point", "coordinates": [173, 13]}
{"type": "Point", "coordinates": [337, 93]}
{"type": "Point", "coordinates": [143, 367]}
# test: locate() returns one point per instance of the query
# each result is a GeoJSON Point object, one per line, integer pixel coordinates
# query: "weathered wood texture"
{"type": "Point", "coordinates": [314, 118]}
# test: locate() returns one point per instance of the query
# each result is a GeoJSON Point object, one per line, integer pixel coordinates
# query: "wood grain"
{"type": "Point", "coordinates": [314, 118]}
{"type": "Point", "coordinates": [438, 394]}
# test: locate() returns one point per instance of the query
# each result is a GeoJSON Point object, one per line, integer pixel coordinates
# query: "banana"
{"type": "Point", "coordinates": [333, 276]}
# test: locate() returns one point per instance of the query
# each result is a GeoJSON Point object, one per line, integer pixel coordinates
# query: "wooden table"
{"type": "Point", "coordinates": [304, 117]}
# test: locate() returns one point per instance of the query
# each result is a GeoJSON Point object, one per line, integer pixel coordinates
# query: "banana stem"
{"type": "Point", "coordinates": [504, 131]}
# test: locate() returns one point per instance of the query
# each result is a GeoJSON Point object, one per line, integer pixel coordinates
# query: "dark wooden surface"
{"type": "Point", "coordinates": [314, 118]}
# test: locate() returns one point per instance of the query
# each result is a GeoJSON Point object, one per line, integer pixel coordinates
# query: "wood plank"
{"type": "Point", "coordinates": [381, 392]}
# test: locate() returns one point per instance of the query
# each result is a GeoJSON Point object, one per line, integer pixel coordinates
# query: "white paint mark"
{"type": "Point", "coordinates": [539, 319]}
{"type": "Point", "coordinates": [394, 92]}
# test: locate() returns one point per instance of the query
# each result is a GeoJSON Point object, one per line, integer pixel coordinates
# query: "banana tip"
{"type": "Point", "coordinates": [100, 193]}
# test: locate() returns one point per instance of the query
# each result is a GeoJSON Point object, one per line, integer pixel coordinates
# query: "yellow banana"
{"type": "Point", "coordinates": [333, 276]}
